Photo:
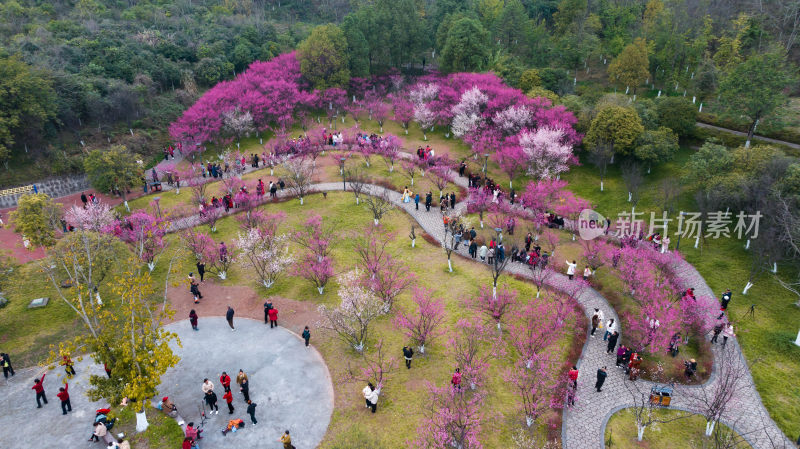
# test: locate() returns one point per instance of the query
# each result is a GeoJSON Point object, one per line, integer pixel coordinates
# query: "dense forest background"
{"type": "Point", "coordinates": [77, 75]}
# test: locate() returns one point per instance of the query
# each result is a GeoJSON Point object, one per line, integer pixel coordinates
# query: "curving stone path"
{"type": "Point", "coordinates": [584, 427]}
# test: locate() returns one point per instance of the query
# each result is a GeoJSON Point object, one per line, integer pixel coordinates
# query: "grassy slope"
{"type": "Point", "coordinates": [687, 433]}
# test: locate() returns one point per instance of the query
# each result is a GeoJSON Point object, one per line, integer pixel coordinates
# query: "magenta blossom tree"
{"type": "Point", "coordinates": [533, 379]}
{"type": "Point", "coordinates": [144, 233]}
{"type": "Point", "coordinates": [422, 324]}
{"type": "Point", "coordinates": [452, 420]}
{"type": "Point", "coordinates": [386, 276]}
{"type": "Point", "coordinates": [478, 201]}
{"type": "Point", "coordinates": [541, 195]}
{"type": "Point", "coordinates": [494, 306]}
{"type": "Point", "coordinates": [473, 345]}
{"type": "Point", "coordinates": [389, 149]}
{"type": "Point", "coordinates": [315, 265]}
{"type": "Point", "coordinates": [511, 159]}
{"type": "Point", "coordinates": [403, 110]}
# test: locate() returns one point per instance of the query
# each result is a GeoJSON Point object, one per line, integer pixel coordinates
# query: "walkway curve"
{"type": "Point", "coordinates": [584, 427]}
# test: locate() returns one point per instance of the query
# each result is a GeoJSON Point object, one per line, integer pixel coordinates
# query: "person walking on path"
{"type": "Point", "coordinates": [612, 342]}
{"type": "Point", "coordinates": [286, 440]}
{"type": "Point", "coordinates": [267, 308]}
{"type": "Point", "coordinates": [416, 201]}
{"type": "Point", "coordinates": [408, 354]}
{"type": "Point", "coordinates": [573, 377]}
{"type": "Point", "coordinates": [571, 269]}
{"type": "Point", "coordinates": [306, 335]}
{"type": "Point", "coordinates": [5, 361]}
{"type": "Point", "coordinates": [228, 396]}
{"type": "Point", "coordinates": [194, 288]}
{"type": "Point", "coordinates": [193, 319]}
{"type": "Point", "coordinates": [621, 355]}
{"type": "Point", "coordinates": [601, 378]}
{"type": "Point", "coordinates": [456, 379]}
{"type": "Point", "coordinates": [611, 326]}
{"type": "Point", "coordinates": [69, 366]}
{"type": "Point", "coordinates": [251, 410]}
{"type": "Point", "coordinates": [428, 201]}
{"type": "Point", "coordinates": [595, 322]}
{"type": "Point", "coordinates": [225, 380]}
{"type": "Point", "coordinates": [723, 306]}
{"type": "Point", "coordinates": [717, 330]}
{"type": "Point", "coordinates": [63, 394]}
{"type": "Point", "coordinates": [273, 317]}
{"type": "Point", "coordinates": [229, 318]}
{"type": "Point", "coordinates": [38, 387]}
{"type": "Point", "coordinates": [727, 333]}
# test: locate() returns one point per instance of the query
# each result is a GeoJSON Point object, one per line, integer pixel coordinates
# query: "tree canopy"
{"type": "Point", "coordinates": [323, 57]}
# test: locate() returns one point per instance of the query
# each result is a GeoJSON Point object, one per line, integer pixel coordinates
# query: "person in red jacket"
{"type": "Point", "coordinates": [225, 380]}
{"type": "Point", "coordinates": [63, 394]}
{"type": "Point", "coordinates": [273, 317]}
{"type": "Point", "coordinates": [456, 379]}
{"type": "Point", "coordinates": [573, 377]}
{"type": "Point", "coordinates": [228, 396]}
{"type": "Point", "coordinates": [39, 389]}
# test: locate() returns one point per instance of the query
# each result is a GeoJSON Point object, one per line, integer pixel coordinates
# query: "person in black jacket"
{"type": "Point", "coordinates": [251, 410]}
{"type": "Point", "coordinates": [267, 307]}
{"type": "Point", "coordinates": [612, 342]}
{"type": "Point", "coordinates": [428, 201]}
{"type": "Point", "coordinates": [408, 354]}
{"type": "Point", "coordinates": [306, 335]}
{"type": "Point", "coordinates": [229, 317]}
{"type": "Point", "coordinates": [5, 362]}
{"type": "Point", "coordinates": [201, 270]}
{"type": "Point", "coordinates": [601, 378]}
{"type": "Point", "coordinates": [452, 200]}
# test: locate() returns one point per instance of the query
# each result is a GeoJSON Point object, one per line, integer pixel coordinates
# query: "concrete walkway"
{"type": "Point", "coordinates": [289, 382]}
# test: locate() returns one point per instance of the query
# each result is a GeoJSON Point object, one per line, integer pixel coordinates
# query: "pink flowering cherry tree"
{"type": "Point", "coordinates": [511, 159]}
{"type": "Point", "coordinates": [385, 275]}
{"type": "Point", "coordinates": [452, 420]}
{"type": "Point", "coordinates": [359, 307]}
{"type": "Point", "coordinates": [94, 217]}
{"type": "Point", "coordinates": [144, 233]}
{"type": "Point", "coordinates": [467, 113]}
{"type": "Point", "coordinates": [478, 201]}
{"type": "Point", "coordinates": [473, 345]}
{"type": "Point", "coordinates": [315, 264]}
{"type": "Point", "coordinates": [548, 152]}
{"type": "Point", "coordinates": [494, 305]}
{"type": "Point", "coordinates": [403, 110]}
{"type": "Point", "coordinates": [422, 324]}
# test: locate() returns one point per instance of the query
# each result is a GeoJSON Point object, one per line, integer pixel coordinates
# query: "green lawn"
{"type": "Point", "coordinates": [686, 433]}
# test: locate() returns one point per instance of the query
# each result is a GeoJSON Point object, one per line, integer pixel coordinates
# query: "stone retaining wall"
{"type": "Point", "coordinates": [54, 187]}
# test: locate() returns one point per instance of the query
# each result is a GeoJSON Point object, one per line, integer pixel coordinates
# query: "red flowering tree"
{"type": "Point", "coordinates": [452, 420]}
{"type": "Point", "coordinates": [494, 306]}
{"type": "Point", "coordinates": [315, 265]}
{"type": "Point", "coordinates": [144, 233]}
{"type": "Point", "coordinates": [403, 110]}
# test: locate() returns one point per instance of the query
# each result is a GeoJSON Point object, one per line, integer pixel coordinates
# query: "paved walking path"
{"type": "Point", "coordinates": [755, 137]}
{"type": "Point", "coordinates": [289, 382]}
{"type": "Point", "coordinates": [584, 426]}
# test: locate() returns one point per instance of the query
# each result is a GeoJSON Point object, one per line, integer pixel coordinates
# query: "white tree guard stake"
{"type": "Point", "coordinates": [601, 186]}
{"type": "Point", "coordinates": [413, 242]}
{"type": "Point", "coordinates": [747, 245]}
{"type": "Point", "coordinates": [449, 265]}
{"type": "Point", "coordinates": [421, 349]}
{"type": "Point", "coordinates": [630, 195]}
{"type": "Point", "coordinates": [747, 287]}
{"type": "Point", "coordinates": [151, 266]}
{"type": "Point", "coordinates": [127, 208]}
{"type": "Point", "coordinates": [320, 289]}
{"type": "Point", "coordinates": [223, 275]}
{"type": "Point", "coordinates": [797, 341]}
{"type": "Point", "coordinates": [301, 200]}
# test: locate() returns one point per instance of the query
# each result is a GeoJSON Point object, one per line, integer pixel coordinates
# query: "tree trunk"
{"type": "Point", "coordinates": [422, 349]}
{"type": "Point", "coordinates": [413, 242]}
{"type": "Point", "coordinates": [320, 289]}
{"type": "Point", "coordinates": [601, 186]}
{"type": "Point", "coordinates": [747, 287]}
{"type": "Point", "coordinates": [141, 420]}
{"type": "Point", "coordinates": [301, 200]}
{"type": "Point", "coordinates": [449, 264]}
{"type": "Point", "coordinates": [710, 427]}
{"type": "Point", "coordinates": [640, 432]}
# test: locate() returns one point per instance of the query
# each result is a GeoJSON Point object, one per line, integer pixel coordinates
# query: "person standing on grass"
{"type": "Point", "coordinates": [63, 394]}
{"type": "Point", "coordinates": [228, 396]}
{"type": "Point", "coordinates": [201, 269]}
{"type": "Point", "coordinates": [5, 361]}
{"type": "Point", "coordinates": [229, 318]}
{"type": "Point", "coordinates": [612, 341]}
{"type": "Point", "coordinates": [251, 410]}
{"type": "Point", "coordinates": [601, 378]}
{"type": "Point", "coordinates": [723, 306]}
{"type": "Point", "coordinates": [193, 319]}
{"type": "Point", "coordinates": [38, 387]}
{"type": "Point", "coordinates": [408, 354]}
{"type": "Point", "coordinates": [571, 269]}
{"type": "Point", "coordinates": [267, 307]}
{"type": "Point", "coordinates": [306, 335]}
{"type": "Point", "coordinates": [727, 333]}
{"type": "Point", "coordinates": [611, 326]}
{"type": "Point", "coordinates": [456, 379]}
{"type": "Point", "coordinates": [273, 317]}
{"type": "Point", "coordinates": [366, 392]}
{"type": "Point", "coordinates": [372, 398]}
{"type": "Point", "coordinates": [225, 380]}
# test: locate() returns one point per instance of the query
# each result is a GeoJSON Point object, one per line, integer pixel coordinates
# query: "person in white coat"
{"type": "Point", "coordinates": [371, 396]}
{"type": "Point", "coordinates": [571, 266]}
{"type": "Point", "coordinates": [611, 326]}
